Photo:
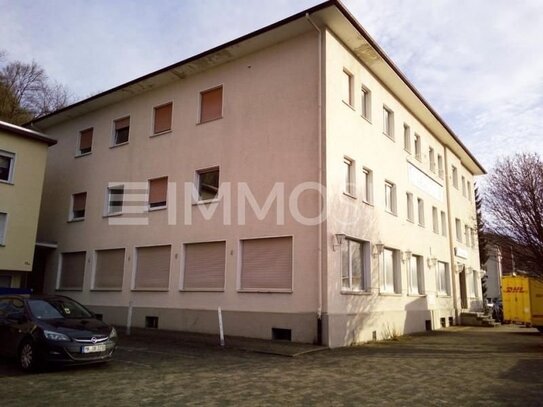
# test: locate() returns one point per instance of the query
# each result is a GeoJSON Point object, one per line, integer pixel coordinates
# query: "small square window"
{"type": "Point", "coordinates": [3, 227]}
{"type": "Point", "coordinates": [388, 122]}
{"type": "Point", "coordinates": [6, 166]}
{"type": "Point", "coordinates": [115, 197]}
{"type": "Point", "coordinates": [211, 104]}
{"type": "Point", "coordinates": [158, 192]}
{"type": "Point", "coordinates": [366, 103]}
{"type": "Point", "coordinates": [163, 118]}
{"type": "Point", "coordinates": [79, 202]}
{"type": "Point", "coordinates": [347, 88]}
{"type": "Point", "coordinates": [208, 184]}
{"type": "Point", "coordinates": [85, 141]}
{"type": "Point", "coordinates": [122, 130]}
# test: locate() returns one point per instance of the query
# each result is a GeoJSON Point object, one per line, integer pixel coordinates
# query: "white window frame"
{"type": "Point", "coordinates": [108, 211]}
{"type": "Point", "coordinates": [114, 131]}
{"type": "Point", "coordinates": [442, 284]}
{"type": "Point", "coordinates": [418, 288]}
{"type": "Point", "coordinates": [367, 185]}
{"type": "Point", "coordinates": [418, 147]}
{"type": "Point", "coordinates": [458, 227]}
{"type": "Point", "coordinates": [4, 229]}
{"type": "Point", "coordinates": [410, 207]}
{"type": "Point", "coordinates": [11, 173]}
{"type": "Point", "coordinates": [440, 166]}
{"type": "Point", "coordinates": [71, 214]}
{"type": "Point", "coordinates": [365, 265]}
{"type": "Point", "coordinates": [443, 223]}
{"type": "Point", "coordinates": [365, 103]}
{"type": "Point", "coordinates": [435, 220]}
{"type": "Point", "coordinates": [463, 186]}
{"type": "Point", "coordinates": [407, 138]}
{"type": "Point", "coordinates": [454, 175]}
{"type": "Point", "coordinates": [349, 168]}
{"type": "Point", "coordinates": [432, 159]}
{"type": "Point", "coordinates": [390, 201]}
{"type": "Point", "coordinates": [388, 122]}
{"type": "Point", "coordinates": [197, 184]}
{"type": "Point", "coordinates": [394, 286]}
{"type": "Point", "coordinates": [420, 212]}
{"type": "Point", "coordinates": [350, 78]}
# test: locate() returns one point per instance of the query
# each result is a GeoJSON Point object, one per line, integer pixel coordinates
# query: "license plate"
{"type": "Point", "coordinates": [93, 348]}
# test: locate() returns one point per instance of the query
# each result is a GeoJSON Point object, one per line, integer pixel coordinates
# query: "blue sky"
{"type": "Point", "coordinates": [478, 62]}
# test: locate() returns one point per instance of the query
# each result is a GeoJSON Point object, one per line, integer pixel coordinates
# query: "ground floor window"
{"type": "Point", "coordinates": [355, 265]}
{"type": "Point", "coordinates": [72, 271]}
{"type": "Point", "coordinates": [416, 275]}
{"type": "Point", "coordinates": [109, 269]}
{"type": "Point", "coordinates": [443, 278]}
{"type": "Point", "coordinates": [390, 272]}
{"type": "Point", "coordinates": [204, 266]}
{"type": "Point", "coordinates": [152, 268]}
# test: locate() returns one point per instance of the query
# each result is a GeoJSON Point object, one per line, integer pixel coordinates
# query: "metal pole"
{"type": "Point", "coordinates": [221, 331]}
{"type": "Point", "coordinates": [129, 317]}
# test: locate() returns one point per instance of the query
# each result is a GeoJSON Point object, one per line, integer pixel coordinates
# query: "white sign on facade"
{"type": "Point", "coordinates": [460, 252]}
{"type": "Point", "coordinates": [424, 182]}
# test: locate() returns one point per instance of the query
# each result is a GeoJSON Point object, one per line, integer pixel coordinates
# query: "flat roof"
{"type": "Point", "coordinates": [26, 133]}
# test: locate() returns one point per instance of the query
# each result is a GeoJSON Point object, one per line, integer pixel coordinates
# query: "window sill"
{"type": "Point", "coordinates": [391, 137]}
{"type": "Point", "coordinates": [161, 133]}
{"type": "Point", "coordinates": [420, 225]}
{"type": "Point", "coordinates": [261, 291]}
{"type": "Point", "coordinates": [75, 220]}
{"type": "Point", "coordinates": [111, 215]}
{"type": "Point", "coordinates": [83, 154]}
{"type": "Point", "coordinates": [210, 120]}
{"type": "Point", "coordinates": [349, 292]}
{"type": "Point", "coordinates": [348, 104]}
{"type": "Point", "coordinates": [157, 208]}
{"type": "Point", "coordinates": [150, 289]}
{"type": "Point", "coordinates": [411, 221]}
{"type": "Point", "coordinates": [6, 182]}
{"type": "Point", "coordinates": [207, 201]}
{"type": "Point", "coordinates": [407, 151]}
{"type": "Point", "coordinates": [106, 289]}
{"type": "Point", "coordinates": [443, 295]}
{"type": "Point", "coordinates": [366, 119]}
{"type": "Point", "coordinates": [119, 145]}
{"type": "Point", "coordinates": [368, 203]}
{"type": "Point", "coordinates": [349, 195]}
{"type": "Point", "coordinates": [391, 213]}
{"type": "Point", "coordinates": [387, 294]}
{"type": "Point", "coordinates": [201, 290]}
{"type": "Point", "coordinates": [416, 295]}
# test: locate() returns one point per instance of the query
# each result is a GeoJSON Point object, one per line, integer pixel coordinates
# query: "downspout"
{"type": "Point", "coordinates": [320, 180]}
{"type": "Point", "coordinates": [452, 239]}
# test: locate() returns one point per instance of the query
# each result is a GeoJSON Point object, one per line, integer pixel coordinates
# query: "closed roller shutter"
{"type": "Point", "coordinates": [109, 269]}
{"type": "Point", "coordinates": [72, 271]}
{"type": "Point", "coordinates": [163, 118]}
{"type": "Point", "coordinates": [204, 265]}
{"type": "Point", "coordinates": [153, 267]}
{"type": "Point", "coordinates": [267, 263]}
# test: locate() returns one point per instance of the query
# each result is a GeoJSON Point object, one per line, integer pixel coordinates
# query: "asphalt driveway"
{"type": "Point", "coordinates": [456, 366]}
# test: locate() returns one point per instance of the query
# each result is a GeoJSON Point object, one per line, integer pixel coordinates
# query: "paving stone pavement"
{"type": "Point", "coordinates": [455, 366]}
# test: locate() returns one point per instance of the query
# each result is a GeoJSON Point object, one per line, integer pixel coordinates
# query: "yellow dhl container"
{"type": "Point", "coordinates": [523, 301]}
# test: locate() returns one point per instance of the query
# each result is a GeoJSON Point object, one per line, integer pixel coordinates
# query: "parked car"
{"type": "Point", "coordinates": [55, 329]}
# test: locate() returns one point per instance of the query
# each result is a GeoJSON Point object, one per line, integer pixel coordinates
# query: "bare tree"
{"type": "Point", "coordinates": [26, 92]}
{"type": "Point", "coordinates": [514, 200]}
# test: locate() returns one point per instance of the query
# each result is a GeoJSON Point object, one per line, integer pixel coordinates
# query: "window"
{"type": "Point", "coordinates": [410, 209]}
{"type": "Point", "coordinates": [458, 230]}
{"type": "Point", "coordinates": [85, 141]}
{"type": "Point", "coordinates": [463, 186]}
{"type": "Point", "coordinates": [109, 269]}
{"type": "Point", "coordinates": [388, 122]}
{"type": "Point", "coordinates": [440, 165]}
{"type": "Point", "coordinates": [470, 193]}
{"type": "Point", "coordinates": [204, 266]}
{"type": "Point", "coordinates": [355, 266]}
{"type": "Point", "coordinates": [211, 104]}
{"type": "Point", "coordinates": [266, 264]}
{"type": "Point", "coordinates": [418, 147]}
{"type": "Point", "coordinates": [475, 283]}
{"type": "Point", "coordinates": [390, 197]}
{"type": "Point", "coordinates": [390, 272]}
{"type": "Point", "coordinates": [115, 197]}
{"type": "Point", "coordinates": [163, 118]}
{"type": "Point", "coordinates": [366, 103]}
{"type": "Point", "coordinates": [416, 275]}
{"type": "Point", "coordinates": [79, 202]}
{"type": "Point", "coordinates": [72, 271]}
{"type": "Point", "coordinates": [455, 177]}
{"type": "Point", "coordinates": [152, 268]}
{"type": "Point", "coordinates": [208, 184]}
{"type": "Point", "coordinates": [420, 206]}
{"type": "Point", "coordinates": [367, 187]}
{"type": "Point", "coordinates": [122, 129]}
{"type": "Point", "coordinates": [407, 138]}
{"type": "Point", "coordinates": [3, 227]}
{"type": "Point", "coordinates": [348, 169]}
{"type": "Point", "coordinates": [6, 166]}
{"type": "Point", "coordinates": [442, 278]}
{"type": "Point", "coordinates": [473, 237]}
{"type": "Point", "coordinates": [347, 88]}
{"type": "Point", "coordinates": [158, 192]}
{"type": "Point", "coordinates": [432, 158]}
{"type": "Point", "coordinates": [467, 234]}
{"type": "Point", "coordinates": [435, 220]}
{"type": "Point", "coordinates": [443, 223]}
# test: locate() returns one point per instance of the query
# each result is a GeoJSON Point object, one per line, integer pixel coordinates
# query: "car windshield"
{"type": "Point", "coordinates": [57, 308]}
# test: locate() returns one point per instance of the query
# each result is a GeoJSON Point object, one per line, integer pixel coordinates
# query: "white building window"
{"type": "Point", "coordinates": [115, 198]}
{"type": "Point", "coordinates": [367, 185]}
{"type": "Point", "coordinates": [435, 220]}
{"type": "Point", "coordinates": [467, 235]}
{"type": "Point", "coordinates": [7, 161]}
{"type": "Point", "coordinates": [347, 88]}
{"type": "Point", "coordinates": [463, 186]}
{"type": "Point", "coordinates": [208, 184]}
{"type": "Point", "coordinates": [440, 166]}
{"type": "Point", "coordinates": [3, 227]}
{"type": "Point", "coordinates": [349, 176]}
{"type": "Point", "coordinates": [469, 192]}
{"type": "Point", "coordinates": [407, 138]}
{"type": "Point", "coordinates": [390, 272]}
{"type": "Point", "coordinates": [420, 206]}
{"type": "Point", "coordinates": [418, 147]}
{"type": "Point", "coordinates": [390, 197]}
{"type": "Point", "coordinates": [410, 208]}
{"type": "Point", "coordinates": [455, 177]}
{"type": "Point", "coordinates": [432, 158]}
{"type": "Point", "coordinates": [355, 265]}
{"type": "Point", "coordinates": [388, 122]}
{"type": "Point", "coordinates": [442, 278]}
{"type": "Point", "coordinates": [443, 223]}
{"type": "Point", "coordinates": [476, 282]}
{"type": "Point", "coordinates": [416, 275]}
{"type": "Point", "coordinates": [458, 225]}
{"type": "Point", "coordinates": [366, 103]}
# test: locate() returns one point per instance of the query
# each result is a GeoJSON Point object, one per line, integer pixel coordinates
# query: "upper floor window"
{"type": "Point", "coordinates": [410, 209]}
{"type": "Point", "coordinates": [455, 177]}
{"type": "Point", "coordinates": [349, 174]}
{"type": "Point", "coordinates": [211, 104]}
{"type": "Point", "coordinates": [470, 192]}
{"type": "Point", "coordinates": [79, 203]}
{"type": "Point", "coordinates": [443, 223]}
{"type": "Point", "coordinates": [388, 122]}
{"type": "Point", "coordinates": [366, 103]}
{"type": "Point", "coordinates": [407, 138]}
{"type": "Point", "coordinates": [115, 198]}
{"type": "Point", "coordinates": [122, 130]}
{"type": "Point", "coordinates": [440, 165]}
{"type": "Point", "coordinates": [347, 89]}
{"type": "Point", "coordinates": [163, 118]}
{"type": "Point", "coordinates": [432, 158]}
{"type": "Point", "coordinates": [420, 205]}
{"type": "Point", "coordinates": [158, 192]}
{"type": "Point", "coordinates": [208, 184]}
{"type": "Point", "coordinates": [7, 161]}
{"type": "Point", "coordinates": [467, 235]}
{"type": "Point", "coordinates": [390, 197]}
{"type": "Point", "coordinates": [463, 186]}
{"type": "Point", "coordinates": [367, 186]}
{"type": "Point", "coordinates": [416, 275]}
{"type": "Point", "coordinates": [85, 141]}
{"type": "Point", "coordinates": [435, 220]}
{"type": "Point", "coordinates": [458, 225]}
{"type": "Point", "coordinates": [418, 154]}
{"type": "Point", "coordinates": [355, 265]}
{"type": "Point", "coordinates": [3, 227]}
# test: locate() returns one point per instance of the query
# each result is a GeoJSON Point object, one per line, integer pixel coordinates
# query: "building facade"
{"type": "Point", "coordinates": [23, 155]}
{"type": "Point", "coordinates": [292, 177]}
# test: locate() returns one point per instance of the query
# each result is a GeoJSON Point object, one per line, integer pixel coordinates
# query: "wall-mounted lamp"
{"type": "Point", "coordinates": [378, 249]}
{"type": "Point", "coordinates": [339, 239]}
{"type": "Point", "coordinates": [432, 261]}
{"type": "Point", "coordinates": [407, 256]}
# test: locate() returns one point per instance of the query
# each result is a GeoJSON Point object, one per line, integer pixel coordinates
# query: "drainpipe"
{"type": "Point", "coordinates": [320, 175]}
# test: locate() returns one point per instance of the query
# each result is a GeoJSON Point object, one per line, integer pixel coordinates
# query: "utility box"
{"type": "Point", "coordinates": [523, 301]}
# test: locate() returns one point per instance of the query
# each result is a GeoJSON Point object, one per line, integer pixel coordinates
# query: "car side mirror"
{"type": "Point", "coordinates": [18, 317]}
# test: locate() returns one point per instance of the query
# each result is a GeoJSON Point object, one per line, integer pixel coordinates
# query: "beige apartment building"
{"type": "Point", "coordinates": [23, 155]}
{"type": "Point", "coordinates": [292, 177]}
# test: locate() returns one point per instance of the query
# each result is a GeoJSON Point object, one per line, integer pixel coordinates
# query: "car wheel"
{"type": "Point", "coordinates": [27, 356]}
